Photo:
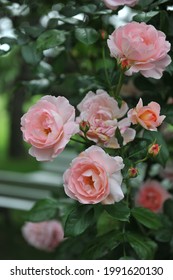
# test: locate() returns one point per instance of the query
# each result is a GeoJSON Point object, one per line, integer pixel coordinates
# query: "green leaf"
{"type": "Point", "coordinates": [30, 54]}
{"type": "Point", "coordinates": [33, 31]}
{"type": "Point", "coordinates": [146, 217]}
{"type": "Point", "coordinates": [50, 39]}
{"type": "Point", "coordinates": [104, 244]}
{"type": "Point", "coordinates": [164, 21]}
{"type": "Point", "coordinates": [88, 9]}
{"type": "Point", "coordinates": [43, 210]}
{"type": "Point", "coordinates": [145, 17]}
{"type": "Point", "coordinates": [168, 208]}
{"type": "Point", "coordinates": [144, 247]}
{"type": "Point", "coordinates": [156, 136]}
{"type": "Point", "coordinates": [8, 40]}
{"type": "Point", "coordinates": [144, 3]}
{"type": "Point", "coordinates": [168, 112]}
{"type": "Point", "coordinates": [141, 149]}
{"type": "Point", "coordinates": [164, 235]}
{"type": "Point", "coordinates": [119, 211]}
{"type": "Point", "coordinates": [79, 220]}
{"type": "Point", "coordinates": [87, 36]}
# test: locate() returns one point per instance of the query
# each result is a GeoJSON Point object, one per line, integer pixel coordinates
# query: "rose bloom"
{"type": "Point", "coordinates": [101, 112]}
{"type": "Point", "coordinates": [151, 195]}
{"type": "Point", "coordinates": [45, 236]}
{"type": "Point", "coordinates": [139, 47]}
{"type": "Point", "coordinates": [48, 126]}
{"type": "Point", "coordinates": [94, 177]}
{"type": "Point", "coordinates": [114, 4]}
{"type": "Point", "coordinates": [147, 116]}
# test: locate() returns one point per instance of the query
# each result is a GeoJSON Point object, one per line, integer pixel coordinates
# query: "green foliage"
{"type": "Point", "coordinates": [79, 219]}
{"type": "Point", "coordinates": [146, 217]}
{"type": "Point", "coordinates": [50, 39]}
{"type": "Point", "coordinates": [119, 211]}
{"type": "Point", "coordinates": [87, 36]}
{"type": "Point", "coordinates": [143, 247]}
{"type": "Point", "coordinates": [44, 209]}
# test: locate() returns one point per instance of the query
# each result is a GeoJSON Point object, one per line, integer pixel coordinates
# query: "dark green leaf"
{"type": "Point", "coordinates": [168, 208]}
{"type": "Point", "coordinates": [119, 211]}
{"type": "Point", "coordinates": [145, 17]}
{"type": "Point", "coordinates": [30, 54]}
{"type": "Point", "coordinates": [43, 210]}
{"type": "Point", "coordinates": [157, 3]}
{"type": "Point", "coordinates": [104, 244]}
{"type": "Point", "coordinates": [33, 31]}
{"type": "Point", "coordinates": [141, 149]}
{"type": "Point", "coordinates": [144, 247]}
{"type": "Point", "coordinates": [88, 9]}
{"type": "Point", "coordinates": [144, 3]}
{"type": "Point", "coordinates": [87, 36]}
{"type": "Point", "coordinates": [164, 21]}
{"type": "Point", "coordinates": [146, 217]}
{"type": "Point", "coordinates": [79, 220]}
{"type": "Point", "coordinates": [50, 39]}
{"type": "Point", "coordinates": [8, 40]}
{"type": "Point", "coordinates": [168, 112]}
{"type": "Point", "coordinates": [164, 235]}
{"type": "Point", "coordinates": [156, 136]}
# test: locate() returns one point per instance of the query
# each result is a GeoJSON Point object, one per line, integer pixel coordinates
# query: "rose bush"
{"type": "Point", "coordinates": [114, 201]}
{"type": "Point", "coordinates": [139, 47]}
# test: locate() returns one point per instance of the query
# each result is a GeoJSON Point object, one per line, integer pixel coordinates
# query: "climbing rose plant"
{"type": "Point", "coordinates": [111, 194]}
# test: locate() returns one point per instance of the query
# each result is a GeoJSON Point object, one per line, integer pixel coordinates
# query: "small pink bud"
{"type": "Point", "coordinates": [154, 149]}
{"type": "Point", "coordinates": [84, 126]}
{"type": "Point", "coordinates": [103, 34]}
{"type": "Point", "coordinates": [133, 172]}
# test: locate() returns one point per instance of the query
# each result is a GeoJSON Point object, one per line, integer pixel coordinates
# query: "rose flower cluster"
{"type": "Point", "coordinates": [94, 176]}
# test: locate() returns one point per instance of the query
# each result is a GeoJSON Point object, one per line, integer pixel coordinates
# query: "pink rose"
{"type": "Point", "coordinates": [48, 126]}
{"type": "Point", "coordinates": [114, 4]}
{"type": "Point", "coordinates": [147, 116]}
{"type": "Point", "coordinates": [94, 177]}
{"type": "Point", "coordinates": [44, 235]}
{"type": "Point", "coordinates": [139, 47]}
{"type": "Point", "coordinates": [151, 195]}
{"type": "Point", "coordinates": [102, 112]}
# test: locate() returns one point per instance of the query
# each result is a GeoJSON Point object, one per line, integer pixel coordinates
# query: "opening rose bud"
{"type": "Point", "coordinates": [147, 116]}
{"type": "Point", "coordinates": [154, 149]}
{"type": "Point", "coordinates": [133, 172]}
